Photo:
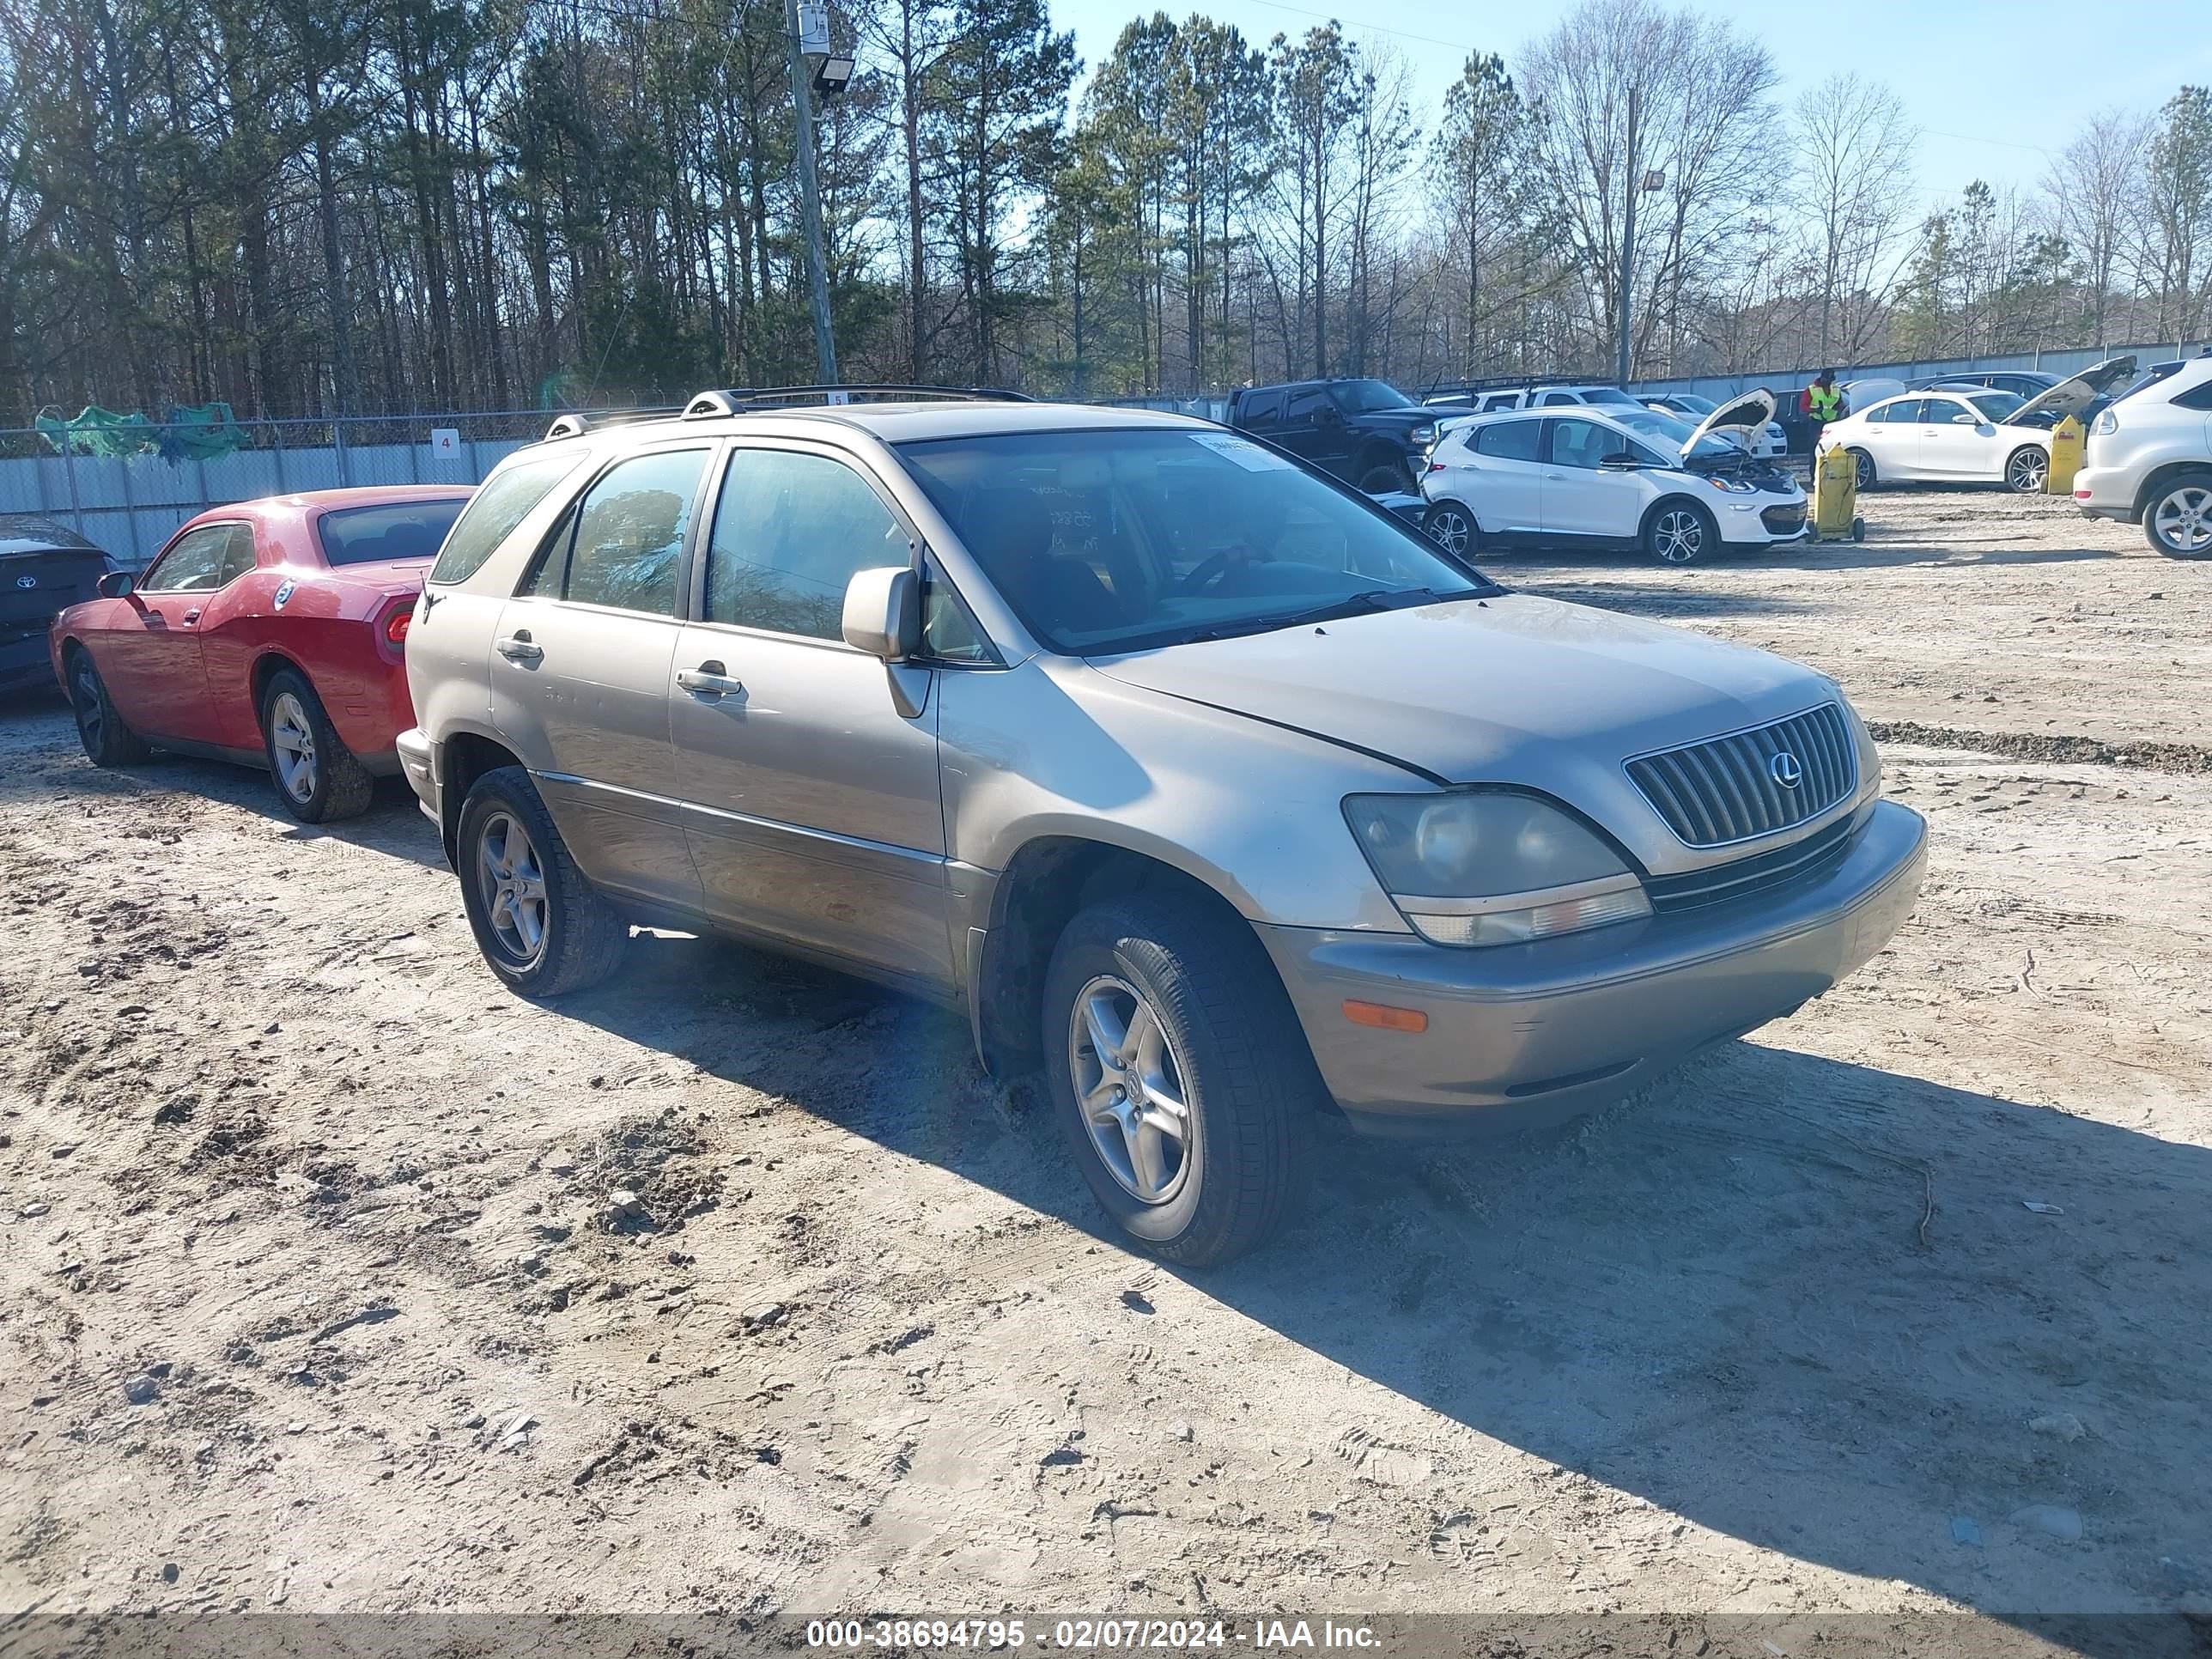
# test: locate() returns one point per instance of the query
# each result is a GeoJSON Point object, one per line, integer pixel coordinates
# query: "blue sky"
{"type": "Point", "coordinates": [1991, 86]}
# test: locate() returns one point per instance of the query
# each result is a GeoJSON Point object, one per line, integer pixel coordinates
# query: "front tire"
{"type": "Point", "coordinates": [107, 741]}
{"type": "Point", "coordinates": [1180, 1076]}
{"type": "Point", "coordinates": [2177, 516]}
{"type": "Point", "coordinates": [317, 778]}
{"type": "Point", "coordinates": [1453, 529]}
{"type": "Point", "coordinates": [1680, 532]}
{"type": "Point", "coordinates": [542, 926]}
{"type": "Point", "coordinates": [1382, 478]}
{"type": "Point", "coordinates": [2027, 470]}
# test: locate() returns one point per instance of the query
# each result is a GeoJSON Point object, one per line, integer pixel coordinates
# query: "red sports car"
{"type": "Point", "coordinates": [268, 633]}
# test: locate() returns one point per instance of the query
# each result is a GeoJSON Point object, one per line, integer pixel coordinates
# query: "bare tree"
{"type": "Point", "coordinates": [1851, 193]}
{"type": "Point", "coordinates": [2089, 190]}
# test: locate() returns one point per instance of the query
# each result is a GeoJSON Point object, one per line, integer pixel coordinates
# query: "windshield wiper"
{"type": "Point", "coordinates": [1352, 604]}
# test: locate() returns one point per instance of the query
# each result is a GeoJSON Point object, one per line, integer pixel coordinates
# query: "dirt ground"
{"type": "Point", "coordinates": [314, 1294]}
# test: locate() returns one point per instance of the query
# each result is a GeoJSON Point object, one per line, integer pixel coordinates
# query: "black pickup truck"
{"type": "Point", "coordinates": [1366, 432]}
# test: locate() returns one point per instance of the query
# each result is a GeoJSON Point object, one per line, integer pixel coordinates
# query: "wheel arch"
{"type": "Point", "coordinates": [2161, 476]}
{"type": "Point", "coordinates": [463, 757]}
{"type": "Point", "coordinates": [273, 661]}
{"type": "Point", "coordinates": [1049, 881]}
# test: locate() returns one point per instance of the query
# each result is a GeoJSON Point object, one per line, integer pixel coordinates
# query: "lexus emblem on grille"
{"type": "Point", "coordinates": [1785, 771]}
{"type": "Point", "coordinates": [26, 582]}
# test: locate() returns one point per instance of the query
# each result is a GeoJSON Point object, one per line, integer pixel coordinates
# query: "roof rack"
{"type": "Point", "coordinates": [739, 400]}
{"type": "Point", "coordinates": [576, 421]}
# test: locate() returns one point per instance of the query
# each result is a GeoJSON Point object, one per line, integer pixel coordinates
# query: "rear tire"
{"type": "Point", "coordinates": [107, 741]}
{"type": "Point", "coordinates": [2027, 469]}
{"type": "Point", "coordinates": [542, 926]}
{"type": "Point", "coordinates": [1867, 476]}
{"type": "Point", "coordinates": [1680, 532]}
{"type": "Point", "coordinates": [1216, 1049]}
{"type": "Point", "coordinates": [1453, 529]}
{"type": "Point", "coordinates": [317, 777]}
{"type": "Point", "coordinates": [2177, 516]}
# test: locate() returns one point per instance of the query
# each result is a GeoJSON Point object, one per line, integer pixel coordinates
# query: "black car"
{"type": "Point", "coordinates": [1368, 433]}
{"type": "Point", "coordinates": [2028, 383]}
{"type": "Point", "coordinates": [44, 568]}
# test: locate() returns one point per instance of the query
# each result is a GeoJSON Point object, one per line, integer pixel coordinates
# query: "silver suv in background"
{"type": "Point", "coordinates": [2147, 458]}
{"type": "Point", "coordinates": [1202, 785]}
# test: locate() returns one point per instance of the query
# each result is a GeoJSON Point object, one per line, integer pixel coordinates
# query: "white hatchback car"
{"type": "Point", "coordinates": [1612, 476]}
{"type": "Point", "coordinates": [1968, 437]}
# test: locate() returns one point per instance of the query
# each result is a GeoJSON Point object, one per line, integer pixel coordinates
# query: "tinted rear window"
{"type": "Point", "coordinates": [369, 535]}
{"type": "Point", "coordinates": [503, 502]}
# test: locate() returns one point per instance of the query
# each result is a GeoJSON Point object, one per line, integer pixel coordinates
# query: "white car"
{"type": "Point", "coordinates": [1611, 476]}
{"type": "Point", "coordinates": [1768, 443]}
{"type": "Point", "coordinates": [1968, 437]}
{"type": "Point", "coordinates": [2147, 460]}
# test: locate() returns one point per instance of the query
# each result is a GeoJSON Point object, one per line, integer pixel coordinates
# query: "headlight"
{"type": "Point", "coordinates": [1425, 435]}
{"type": "Point", "coordinates": [2108, 421]}
{"type": "Point", "coordinates": [1491, 868]}
{"type": "Point", "coordinates": [1734, 486]}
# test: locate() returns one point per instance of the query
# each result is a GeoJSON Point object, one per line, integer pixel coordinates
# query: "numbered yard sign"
{"type": "Point", "coordinates": [445, 443]}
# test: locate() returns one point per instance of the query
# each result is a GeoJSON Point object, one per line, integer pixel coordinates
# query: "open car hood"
{"type": "Point", "coordinates": [2072, 397]}
{"type": "Point", "coordinates": [1741, 418]}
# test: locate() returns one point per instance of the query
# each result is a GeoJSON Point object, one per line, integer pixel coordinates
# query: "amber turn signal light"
{"type": "Point", "coordinates": [1383, 1017]}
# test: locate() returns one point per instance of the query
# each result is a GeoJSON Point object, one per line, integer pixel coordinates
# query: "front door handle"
{"type": "Point", "coordinates": [517, 648]}
{"type": "Point", "coordinates": [1556, 477]}
{"type": "Point", "coordinates": [710, 679]}
{"type": "Point", "coordinates": [191, 617]}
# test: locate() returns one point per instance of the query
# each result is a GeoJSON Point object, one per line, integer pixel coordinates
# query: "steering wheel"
{"type": "Point", "coordinates": [1218, 569]}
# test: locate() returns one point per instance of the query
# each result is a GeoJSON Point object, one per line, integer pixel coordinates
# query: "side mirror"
{"type": "Point", "coordinates": [883, 613]}
{"type": "Point", "coordinates": [1621, 461]}
{"type": "Point", "coordinates": [115, 585]}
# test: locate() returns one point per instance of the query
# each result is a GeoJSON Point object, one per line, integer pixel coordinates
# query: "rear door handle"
{"type": "Point", "coordinates": [517, 648]}
{"type": "Point", "coordinates": [710, 679]}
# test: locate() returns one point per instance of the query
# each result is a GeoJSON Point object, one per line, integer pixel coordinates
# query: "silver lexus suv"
{"type": "Point", "coordinates": [1201, 785]}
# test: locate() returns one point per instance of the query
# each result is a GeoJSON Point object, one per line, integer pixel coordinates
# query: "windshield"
{"type": "Point", "coordinates": [1113, 540]}
{"type": "Point", "coordinates": [403, 530]}
{"type": "Point", "coordinates": [1996, 405]}
{"type": "Point", "coordinates": [1353, 396]}
{"type": "Point", "coordinates": [1692, 402]}
{"type": "Point", "coordinates": [1670, 431]}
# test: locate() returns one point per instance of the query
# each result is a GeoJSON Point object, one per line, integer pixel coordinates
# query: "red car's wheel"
{"type": "Point", "coordinates": [107, 741]}
{"type": "Point", "coordinates": [317, 778]}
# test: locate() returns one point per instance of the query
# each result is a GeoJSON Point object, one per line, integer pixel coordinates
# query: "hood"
{"type": "Point", "coordinates": [1740, 418]}
{"type": "Point", "coordinates": [1419, 414]}
{"type": "Point", "coordinates": [1511, 689]}
{"type": "Point", "coordinates": [2072, 397]}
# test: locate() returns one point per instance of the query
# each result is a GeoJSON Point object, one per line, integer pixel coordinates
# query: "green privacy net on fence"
{"type": "Point", "coordinates": [204, 432]}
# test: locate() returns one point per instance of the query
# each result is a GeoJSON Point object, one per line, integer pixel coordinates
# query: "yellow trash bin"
{"type": "Point", "coordinates": [2065, 458]}
{"type": "Point", "coordinates": [1836, 496]}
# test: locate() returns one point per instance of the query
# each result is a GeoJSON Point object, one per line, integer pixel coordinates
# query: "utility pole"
{"type": "Point", "coordinates": [1631, 186]}
{"type": "Point", "coordinates": [810, 200]}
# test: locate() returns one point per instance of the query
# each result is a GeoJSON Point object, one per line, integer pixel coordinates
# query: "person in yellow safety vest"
{"type": "Point", "coordinates": [1822, 402]}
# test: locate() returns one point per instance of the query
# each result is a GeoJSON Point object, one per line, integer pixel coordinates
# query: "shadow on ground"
{"type": "Point", "coordinates": [1800, 1302]}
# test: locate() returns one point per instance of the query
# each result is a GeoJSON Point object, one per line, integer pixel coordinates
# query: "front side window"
{"type": "Point", "coordinates": [1557, 399]}
{"type": "Point", "coordinates": [493, 512]}
{"type": "Point", "coordinates": [790, 531]}
{"type": "Point", "coordinates": [1106, 541]}
{"type": "Point", "coordinates": [1582, 443]}
{"type": "Point", "coordinates": [1609, 394]}
{"type": "Point", "coordinates": [1509, 440]}
{"type": "Point", "coordinates": [621, 545]}
{"type": "Point", "coordinates": [1358, 396]}
{"type": "Point", "coordinates": [1307, 404]}
{"type": "Point", "coordinates": [371, 535]}
{"type": "Point", "coordinates": [194, 565]}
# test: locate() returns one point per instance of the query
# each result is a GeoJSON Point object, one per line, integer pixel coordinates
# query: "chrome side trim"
{"type": "Point", "coordinates": [859, 844]}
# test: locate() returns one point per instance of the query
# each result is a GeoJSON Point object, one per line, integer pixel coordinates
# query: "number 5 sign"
{"type": "Point", "coordinates": [445, 443]}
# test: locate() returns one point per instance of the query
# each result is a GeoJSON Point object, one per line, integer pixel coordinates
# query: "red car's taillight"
{"type": "Point", "coordinates": [395, 625]}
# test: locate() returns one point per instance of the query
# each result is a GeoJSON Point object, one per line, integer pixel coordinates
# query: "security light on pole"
{"type": "Point", "coordinates": [810, 52]}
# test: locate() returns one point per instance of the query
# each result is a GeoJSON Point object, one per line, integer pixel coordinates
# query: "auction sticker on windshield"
{"type": "Point", "coordinates": [1246, 454]}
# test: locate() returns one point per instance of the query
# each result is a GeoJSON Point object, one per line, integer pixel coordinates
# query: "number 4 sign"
{"type": "Point", "coordinates": [445, 443]}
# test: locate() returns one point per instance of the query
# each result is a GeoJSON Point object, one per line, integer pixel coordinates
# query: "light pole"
{"type": "Point", "coordinates": [1635, 183]}
{"type": "Point", "coordinates": [815, 47]}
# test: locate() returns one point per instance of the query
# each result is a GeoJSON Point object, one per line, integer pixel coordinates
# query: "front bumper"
{"type": "Point", "coordinates": [1742, 518]}
{"type": "Point", "coordinates": [1529, 1033]}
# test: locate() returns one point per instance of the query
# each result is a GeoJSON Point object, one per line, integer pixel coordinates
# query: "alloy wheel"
{"type": "Point", "coordinates": [84, 693]}
{"type": "Point", "coordinates": [1866, 472]}
{"type": "Point", "coordinates": [2184, 520]}
{"type": "Point", "coordinates": [2028, 471]}
{"type": "Point", "coordinates": [291, 741]}
{"type": "Point", "coordinates": [1129, 1087]}
{"type": "Point", "coordinates": [512, 881]}
{"type": "Point", "coordinates": [1449, 529]}
{"type": "Point", "coordinates": [1678, 537]}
